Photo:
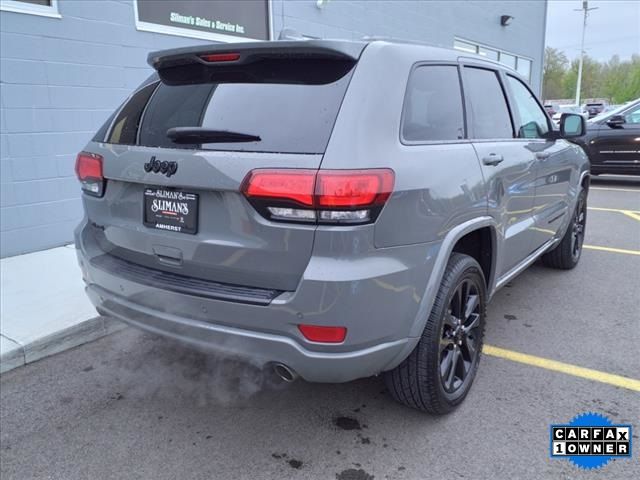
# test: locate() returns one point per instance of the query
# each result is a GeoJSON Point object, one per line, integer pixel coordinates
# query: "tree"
{"type": "Point", "coordinates": [555, 66]}
{"type": "Point", "coordinates": [591, 79]}
{"type": "Point", "coordinates": [621, 80]}
{"type": "Point", "coordinates": [617, 81]}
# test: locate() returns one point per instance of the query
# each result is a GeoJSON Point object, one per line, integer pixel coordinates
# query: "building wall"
{"type": "Point", "coordinates": [435, 22]}
{"type": "Point", "coordinates": [61, 78]}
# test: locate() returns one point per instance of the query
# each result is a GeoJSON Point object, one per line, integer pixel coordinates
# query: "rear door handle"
{"type": "Point", "coordinates": [492, 159]}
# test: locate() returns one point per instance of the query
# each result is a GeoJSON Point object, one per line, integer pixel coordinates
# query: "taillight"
{"type": "Point", "coordinates": [89, 172]}
{"type": "Point", "coordinates": [287, 185]}
{"type": "Point", "coordinates": [354, 188]}
{"type": "Point", "coordinates": [323, 196]}
{"type": "Point", "coordinates": [317, 333]}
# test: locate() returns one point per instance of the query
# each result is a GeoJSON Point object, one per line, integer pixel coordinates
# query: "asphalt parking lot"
{"type": "Point", "coordinates": [135, 406]}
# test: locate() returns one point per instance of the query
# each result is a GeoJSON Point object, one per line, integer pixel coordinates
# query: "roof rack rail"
{"type": "Point", "coordinates": [381, 38]}
{"type": "Point", "coordinates": [292, 34]}
{"type": "Point", "coordinates": [471, 56]}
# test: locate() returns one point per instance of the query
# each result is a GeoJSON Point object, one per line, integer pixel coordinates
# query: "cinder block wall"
{"type": "Point", "coordinates": [59, 81]}
{"type": "Point", "coordinates": [61, 78]}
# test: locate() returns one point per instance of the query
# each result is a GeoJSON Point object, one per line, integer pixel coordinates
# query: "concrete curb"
{"type": "Point", "coordinates": [57, 342]}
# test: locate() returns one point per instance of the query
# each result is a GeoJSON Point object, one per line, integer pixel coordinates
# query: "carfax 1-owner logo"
{"type": "Point", "coordinates": [590, 440]}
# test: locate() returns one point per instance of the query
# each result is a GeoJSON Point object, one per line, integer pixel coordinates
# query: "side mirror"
{"type": "Point", "coordinates": [572, 125]}
{"type": "Point", "coordinates": [616, 121]}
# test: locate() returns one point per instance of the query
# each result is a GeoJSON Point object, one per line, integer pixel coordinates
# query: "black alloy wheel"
{"type": "Point", "coordinates": [566, 254]}
{"type": "Point", "coordinates": [438, 374]}
{"type": "Point", "coordinates": [459, 340]}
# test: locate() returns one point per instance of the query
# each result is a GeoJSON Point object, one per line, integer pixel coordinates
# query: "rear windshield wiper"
{"type": "Point", "coordinates": [208, 135]}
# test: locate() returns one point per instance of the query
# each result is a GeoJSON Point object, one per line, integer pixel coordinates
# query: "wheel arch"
{"type": "Point", "coordinates": [461, 237]}
{"type": "Point", "coordinates": [451, 239]}
{"type": "Point", "coordinates": [480, 245]}
{"type": "Point", "coordinates": [585, 180]}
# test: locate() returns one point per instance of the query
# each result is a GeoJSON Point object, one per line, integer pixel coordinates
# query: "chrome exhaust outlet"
{"type": "Point", "coordinates": [285, 373]}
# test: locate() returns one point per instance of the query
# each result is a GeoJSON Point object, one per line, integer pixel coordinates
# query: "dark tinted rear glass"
{"type": "Point", "coordinates": [125, 127]}
{"type": "Point", "coordinates": [488, 112]}
{"type": "Point", "coordinates": [433, 106]}
{"type": "Point", "coordinates": [288, 118]}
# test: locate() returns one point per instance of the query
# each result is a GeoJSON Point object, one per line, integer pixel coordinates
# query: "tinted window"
{"type": "Point", "coordinates": [125, 126]}
{"type": "Point", "coordinates": [533, 120]}
{"type": "Point", "coordinates": [433, 105]}
{"type": "Point", "coordinates": [288, 118]}
{"type": "Point", "coordinates": [488, 115]}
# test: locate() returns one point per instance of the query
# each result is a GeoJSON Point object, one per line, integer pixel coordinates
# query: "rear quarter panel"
{"type": "Point", "coordinates": [437, 186]}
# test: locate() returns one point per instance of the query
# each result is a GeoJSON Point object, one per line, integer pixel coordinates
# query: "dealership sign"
{"type": "Point", "coordinates": [221, 20]}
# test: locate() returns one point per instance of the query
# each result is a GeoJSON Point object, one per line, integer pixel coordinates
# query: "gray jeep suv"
{"type": "Point", "coordinates": [332, 210]}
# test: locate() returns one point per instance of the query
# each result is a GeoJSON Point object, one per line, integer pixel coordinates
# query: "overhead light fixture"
{"type": "Point", "coordinates": [506, 20]}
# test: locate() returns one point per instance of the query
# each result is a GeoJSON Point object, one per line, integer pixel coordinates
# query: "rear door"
{"type": "Point", "coordinates": [508, 166]}
{"type": "Point", "coordinates": [175, 204]}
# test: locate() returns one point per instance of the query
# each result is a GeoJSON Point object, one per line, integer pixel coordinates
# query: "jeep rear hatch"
{"type": "Point", "coordinates": [176, 153]}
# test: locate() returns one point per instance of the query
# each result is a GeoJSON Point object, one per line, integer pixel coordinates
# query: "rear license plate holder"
{"type": "Point", "coordinates": [171, 210]}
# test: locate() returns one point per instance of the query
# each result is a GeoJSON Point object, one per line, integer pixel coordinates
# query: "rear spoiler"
{"type": "Point", "coordinates": [305, 62]}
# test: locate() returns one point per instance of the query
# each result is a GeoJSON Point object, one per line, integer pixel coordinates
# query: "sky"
{"type": "Point", "coordinates": [614, 28]}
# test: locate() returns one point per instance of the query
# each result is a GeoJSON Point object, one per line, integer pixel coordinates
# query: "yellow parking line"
{"type": "Point", "coordinates": [631, 214]}
{"type": "Point", "coordinates": [616, 210]}
{"type": "Point", "coordinates": [576, 371]}
{"type": "Point", "coordinates": [612, 250]}
{"type": "Point", "coordinates": [615, 189]}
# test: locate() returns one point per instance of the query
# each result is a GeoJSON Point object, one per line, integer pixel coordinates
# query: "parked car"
{"type": "Point", "coordinates": [566, 109]}
{"type": "Point", "coordinates": [333, 210]}
{"type": "Point", "coordinates": [593, 109]}
{"type": "Point", "coordinates": [612, 141]}
{"type": "Point", "coordinates": [551, 109]}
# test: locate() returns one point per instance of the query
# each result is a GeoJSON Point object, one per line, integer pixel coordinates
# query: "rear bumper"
{"type": "Point", "coordinates": [261, 347]}
{"type": "Point", "coordinates": [376, 296]}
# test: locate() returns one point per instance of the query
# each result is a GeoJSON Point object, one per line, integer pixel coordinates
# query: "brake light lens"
{"type": "Point", "coordinates": [89, 172]}
{"type": "Point", "coordinates": [316, 333]}
{"type": "Point", "coordinates": [323, 196]}
{"type": "Point", "coordinates": [220, 57]}
{"type": "Point", "coordinates": [294, 185]}
{"type": "Point", "coordinates": [356, 188]}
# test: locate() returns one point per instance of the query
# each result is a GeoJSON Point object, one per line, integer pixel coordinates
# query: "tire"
{"type": "Point", "coordinates": [418, 381]}
{"type": "Point", "coordinates": [566, 254]}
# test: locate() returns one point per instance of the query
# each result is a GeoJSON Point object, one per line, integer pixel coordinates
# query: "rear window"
{"type": "Point", "coordinates": [125, 127]}
{"type": "Point", "coordinates": [288, 118]}
{"type": "Point", "coordinates": [433, 105]}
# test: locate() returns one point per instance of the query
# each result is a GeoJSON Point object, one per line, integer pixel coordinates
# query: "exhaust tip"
{"type": "Point", "coordinates": [285, 373]}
